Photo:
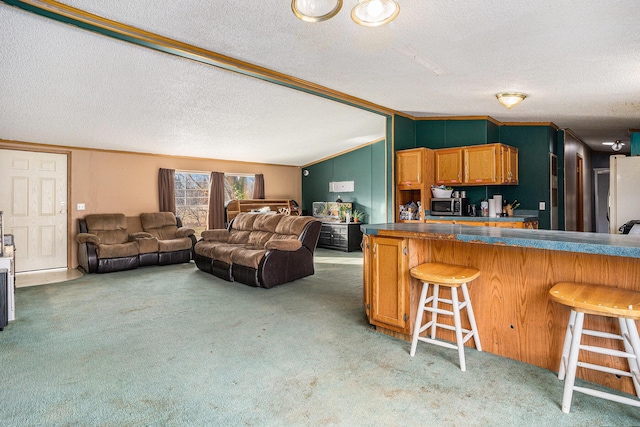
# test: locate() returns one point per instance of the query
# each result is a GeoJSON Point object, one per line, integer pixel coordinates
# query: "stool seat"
{"type": "Point", "coordinates": [597, 299]}
{"type": "Point", "coordinates": [444, 274]}
{"type": "Point", "coordinates": [586, 299]}
{"type": "Point", "coordinates": [454, 277]}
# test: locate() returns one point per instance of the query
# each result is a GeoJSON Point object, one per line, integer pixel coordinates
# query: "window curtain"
{"type": "Point", "coordinates": [166, 190]}
{"type": "Point", "coordinates": [216, 201]}
{"type": "Point", "coordinates": [258, 186]}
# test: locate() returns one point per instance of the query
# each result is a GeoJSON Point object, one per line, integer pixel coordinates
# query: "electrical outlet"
{"type": "Point", "coordinates": [80, 206]}
{"type": "Point", "coordinates": [542, 206]}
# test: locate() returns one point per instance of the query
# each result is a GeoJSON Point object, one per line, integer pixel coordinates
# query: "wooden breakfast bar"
{"type": "Point", "coordinates": [515, 316]}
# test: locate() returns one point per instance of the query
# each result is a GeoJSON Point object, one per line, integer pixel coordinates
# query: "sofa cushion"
{"type": "Point", "coordinates": [170, 245]}
{"type": "Point", "coordinates": [266, 222]}
{"type": "Point", "coordinates": [244, 222]}
{"type": "Point", "coordinates": [249, 257]}
{"type": "Point", "coordinates": [110, 228]}
{"type": "Point", "coordinates": [293, 225]}
{"type": "Point", "coordinates": [219, 235]}
{"type": "Point", "coordinates": [239, 236]}
{"type": "Point", "coordinates": [161, 225]}
{"type": "Point", "coordinates": [259, 238]}
{"type": "Point", "coordinates": [118, 250]}
{"type": "Point", "coordinates": [223, 252]}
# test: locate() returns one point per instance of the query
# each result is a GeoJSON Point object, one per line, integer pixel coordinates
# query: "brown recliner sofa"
{"type": "Point", "coordinates": [113, 242]}
{"type": "Point", "coordinates": [260, 250]}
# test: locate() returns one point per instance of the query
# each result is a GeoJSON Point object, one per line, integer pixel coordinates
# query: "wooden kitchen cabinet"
{"type": "Point", "coordinates": [410, 167]}
{"type": "Point", "coordinates": [481, 164]}
{"type": "Point", "coordinates": [388, 284]}
{"type": "Point", "coordinates": [414, 178]}
{"type": "Point", "coordinates": [448, 166]}
{"type": "Point", "coordinates": [508, 171]}
{"type": "Point", "coordinates": [485, 164]}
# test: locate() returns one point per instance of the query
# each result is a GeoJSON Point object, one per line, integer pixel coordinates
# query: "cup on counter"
{"type": "Point", "coordinates": [484, 208]}
{"type": "Point", "coordinates": [455, 194]}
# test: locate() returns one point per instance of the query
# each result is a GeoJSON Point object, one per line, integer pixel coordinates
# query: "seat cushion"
{"type": "Point", "coordinates": [249, 257]}
{"type": "Point", "coordinates": [170, 245]}
{"type": "Point", "coordinates": [117, 250]}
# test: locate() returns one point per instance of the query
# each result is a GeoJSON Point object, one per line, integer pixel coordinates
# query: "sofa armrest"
{"type": "Point", "coordinates": [185, 232]}
{"type": "Point", "coordinates": [289, 245]}
{"type": "Point", "coordinates": [87, 238]}
{"type": "Point", "coordinates": [218, 235]}
{"type": "Point", "coordinates": [139, 235]}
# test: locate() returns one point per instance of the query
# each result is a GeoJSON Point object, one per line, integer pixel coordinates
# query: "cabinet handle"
{"type": "Point", "coordinates": [405, 317]}
{"type": "Point", "coordinates": [404, 251]}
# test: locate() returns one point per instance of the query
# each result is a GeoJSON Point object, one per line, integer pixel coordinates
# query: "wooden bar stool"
{"type": "Point", "coordinates": [608, 301]}
{"type": "Point", "coordinates": [453, 277]}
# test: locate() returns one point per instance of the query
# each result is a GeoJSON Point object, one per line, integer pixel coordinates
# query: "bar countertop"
{"type": "Point", "coordinates": [570, 241]}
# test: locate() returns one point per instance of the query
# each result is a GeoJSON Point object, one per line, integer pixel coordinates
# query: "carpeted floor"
{"type": "Point", "coordinates": [177, 347]}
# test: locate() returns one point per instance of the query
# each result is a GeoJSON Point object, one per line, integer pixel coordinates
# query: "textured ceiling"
{"type": "Point", "coordinates": [578, 61]}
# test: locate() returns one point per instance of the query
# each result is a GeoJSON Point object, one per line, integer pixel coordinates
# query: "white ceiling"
{"type": "Point", "coordinates": [578, 61]}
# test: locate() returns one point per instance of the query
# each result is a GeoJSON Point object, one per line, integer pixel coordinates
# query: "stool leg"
{"type": "Point", "coordinates": [472, 318]}
{"type": "Point", "coordinates": [632, 345]}
{"type": "Point", "coordinates": [418, 324]}
{"type": "Point", "coordinates": [567, 344]}
{"type": "Point", "coordinates": [574, 351]}
{"type": "Point", "coordinates": [434, 313]}
{"type": "Point", "coordinates": [458, 326]}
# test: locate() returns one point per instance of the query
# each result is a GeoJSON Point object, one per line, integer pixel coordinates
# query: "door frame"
{"type": "Point", "coordinates": [11, 145]}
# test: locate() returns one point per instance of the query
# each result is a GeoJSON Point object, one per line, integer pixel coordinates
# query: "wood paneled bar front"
{"type": "Point", "coordinates": [515, 316]}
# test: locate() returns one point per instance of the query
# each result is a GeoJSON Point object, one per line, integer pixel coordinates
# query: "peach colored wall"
{"type": "Point", "coordinates": [119, 182]}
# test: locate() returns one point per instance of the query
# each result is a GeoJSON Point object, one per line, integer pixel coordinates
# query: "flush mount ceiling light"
{"type": "Point", "coordinates": [372, 13]}
{"type": "Point", "coordinates": [369, 13]}
{"type": "Point", "coordinates": [509, 99]}
{"type": "Point", "coordinates": [316, 10]}
{"type": "Point", "coordinates": [615, 146]}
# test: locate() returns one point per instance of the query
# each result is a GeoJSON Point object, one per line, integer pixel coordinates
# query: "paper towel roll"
{"type": "Point", "coordinates": [498, 199]}
{"type": "Point", "coordinates": [492, 208]}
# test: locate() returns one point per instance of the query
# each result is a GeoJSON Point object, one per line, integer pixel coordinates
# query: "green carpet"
{"type": "Point", "coordinates": [177, 347]}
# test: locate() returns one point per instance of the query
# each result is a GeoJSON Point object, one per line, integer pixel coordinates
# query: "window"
{"type": "Point", "coordinates": [192, 199]}
{"type": "Point", "coordinates": [192, 195]}
{"type": "Point", "coordinates": [238, 187]}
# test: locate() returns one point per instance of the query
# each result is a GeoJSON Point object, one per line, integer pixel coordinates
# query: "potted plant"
{"type": "Point", "coordinates": [342, 212]}
{"type": "Point", "coordinates": [357, 216]}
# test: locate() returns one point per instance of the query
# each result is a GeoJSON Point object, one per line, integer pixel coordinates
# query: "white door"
{"type": "Point", "coordinates": [33, 199]}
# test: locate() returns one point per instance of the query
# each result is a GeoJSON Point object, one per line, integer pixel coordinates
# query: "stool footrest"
{"type": "Point", "coordinates": [608, 396]}
{"type": "Point", "coordinates": [606, 369]}
{"type": "Point", "coordinates": [602, 334]}
{"type": "Point", "coordinates": [607, 351]}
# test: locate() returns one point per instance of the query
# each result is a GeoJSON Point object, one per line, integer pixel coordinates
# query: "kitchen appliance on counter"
{"type": "Point", "coordinates": [624, 197]}
{"type": "Point", "coordinates": [458, 206]}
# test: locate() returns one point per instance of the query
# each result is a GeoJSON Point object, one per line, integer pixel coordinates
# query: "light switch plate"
{"type": "Point", "coordinates": [542, 206]}
{"type": "Point", "coordinates": [80, 206]}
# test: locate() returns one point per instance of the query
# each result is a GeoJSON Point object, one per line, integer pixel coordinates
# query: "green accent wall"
{"type": "Point", "coordinates": [374, 189]}
{"type": "Point", "coordinates": [534, 144]}
{"type": "Point", "coordinates": [363, 166]}
{"type": "Point", "coordinates": [635, 143]}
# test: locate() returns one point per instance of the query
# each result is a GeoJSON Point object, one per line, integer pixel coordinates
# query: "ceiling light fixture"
{"type": "Point", "coordinates": [316, 10]}
{"type": "Point", "coordinates": [615, 146]}
{"type": "Point", "coordinates": [369, 13]}
{"type": "Point", "coordinates": [509, 99]}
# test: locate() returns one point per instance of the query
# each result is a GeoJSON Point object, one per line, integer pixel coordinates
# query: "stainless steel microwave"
{"type": "Point", "coordinates": [450, 206]}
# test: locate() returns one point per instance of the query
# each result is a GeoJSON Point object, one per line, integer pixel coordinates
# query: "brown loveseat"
{"type": "Point", "coordinates": [113, 242]}
{"type": "Point", "coordinates": [261, 250]}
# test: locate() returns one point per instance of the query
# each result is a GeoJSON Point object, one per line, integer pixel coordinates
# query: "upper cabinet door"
{"type": "Point", "coordinates": [508, 165]}
{"type": "Point", "coordinates": [481, 164]}
{"type": "Point", "coordinates": [409, 166]}
{"type": "Point", "coordinates": [448, 166]}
